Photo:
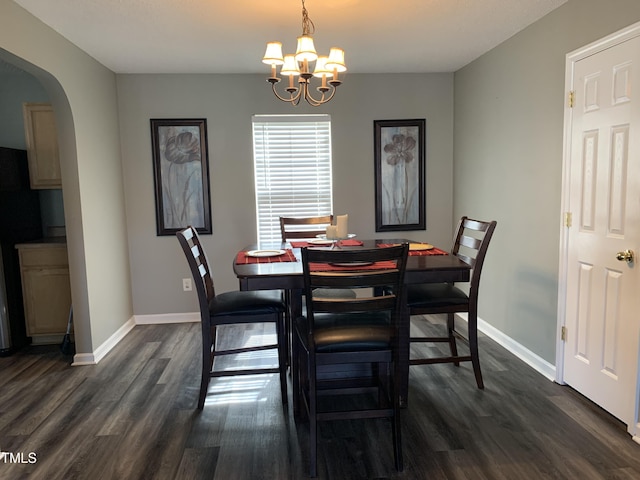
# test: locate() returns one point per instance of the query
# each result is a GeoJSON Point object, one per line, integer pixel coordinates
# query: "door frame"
{"type": "Point", "coordinates": [572, 58]}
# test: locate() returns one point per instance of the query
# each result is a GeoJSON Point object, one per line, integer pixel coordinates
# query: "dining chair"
{"type": "Point", "coordinates": [361, 330]}
{"type": "Point", "coordinates": [292, 228]}
{"type": "Point", "coordinates": [470, 245]}
{"type": "Point", "coordinates": [229, 308]}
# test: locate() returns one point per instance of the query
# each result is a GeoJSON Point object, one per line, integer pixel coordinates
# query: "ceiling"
{"type": "Point", "coordinates": [213, 36]}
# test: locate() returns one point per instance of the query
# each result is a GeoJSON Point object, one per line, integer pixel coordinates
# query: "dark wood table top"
{"type": "Point", "coordinates": [420, 268]}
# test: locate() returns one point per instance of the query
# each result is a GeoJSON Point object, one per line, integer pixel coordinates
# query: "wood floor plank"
{"type": "Point", "coordinates": [133, 416]}
{"type": "Point", "coordinates": [198, 463]}
{"type": "Point", "coordinates": [30, 404]}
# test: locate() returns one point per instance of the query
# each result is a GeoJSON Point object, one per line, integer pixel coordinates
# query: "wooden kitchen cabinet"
{"type": "Point", "coordinates": [42, 145]}
{"type": "Point", "coordinates": [46, 290]}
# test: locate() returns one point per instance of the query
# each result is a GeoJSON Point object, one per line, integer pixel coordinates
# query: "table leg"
{"type": "Point", "coordinates": [403, 352]}
{"type": "Point", "coordinates": [295, 311]}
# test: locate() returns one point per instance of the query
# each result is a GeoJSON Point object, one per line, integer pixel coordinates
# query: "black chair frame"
{"type": "Point", "coordinates": [237, 307]}
{"type": "Point", "coordinates": [472, 237]}
{"type": "Point", "coordinates": [354, 335]}
{"type": "Point", "coordinates": [303, 227]}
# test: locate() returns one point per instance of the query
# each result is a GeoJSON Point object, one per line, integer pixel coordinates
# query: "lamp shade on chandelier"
{"type": "Point", "coordinates": [307, 66]}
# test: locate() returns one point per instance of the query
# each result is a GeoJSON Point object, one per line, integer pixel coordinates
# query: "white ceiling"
{"type": "Point", "coordinates": [214, 36]}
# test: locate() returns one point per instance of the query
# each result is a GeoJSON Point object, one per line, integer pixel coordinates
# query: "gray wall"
{"type": "Point", "coordinates": [508, 162]}
{"type": "Point", "coordinates": [227, 102]}
{"type": "Point", "coordinates": [16, 88]}
{"type": "Point", "coordinates": [83, 95]}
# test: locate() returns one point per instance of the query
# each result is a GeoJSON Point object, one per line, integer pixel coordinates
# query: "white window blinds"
{"type": "Point", "coordinates": [292, 165]}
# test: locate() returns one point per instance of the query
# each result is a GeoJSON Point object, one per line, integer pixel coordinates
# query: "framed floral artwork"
{"type": "Point", "coordinates": [181, 174]}
{"type": "Point", "coordinates": [399, 151]}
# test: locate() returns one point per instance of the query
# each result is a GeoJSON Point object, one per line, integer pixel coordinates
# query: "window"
{"type": "Point", "coordinates": [292, 165]}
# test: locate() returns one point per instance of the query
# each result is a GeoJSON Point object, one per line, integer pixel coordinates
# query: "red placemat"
{"type": "Point", "coordinates": [345, 243]}
{"type": "Point", "coordinates": [304, 243]}
{"type": "Point", "coordinates": [351, 242]}
{"type": "Point", "coordinates": [324, 267]}
{"type": "Point", "coordinates": [287, 256]}
{"type": "Point", "coordinates": [418, 253]}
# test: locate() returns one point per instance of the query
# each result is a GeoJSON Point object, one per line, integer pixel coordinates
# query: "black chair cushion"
{"type": "Point", "coordinates": [430, 295]}
{"type": "Point", "coordinates": [352, 331]}
{"type": "Point", "coordinates": [246, 303]}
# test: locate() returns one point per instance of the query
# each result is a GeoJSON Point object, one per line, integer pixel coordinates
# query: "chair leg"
{"type": "Point", "coordinates": [281, 335]}
{"type": "Point", "coordinates": [303, 382]}
{"type": "Point", "coordinates": [296, 372]}
{"type": "Point", "coordinates": [451, 326]}
{"type": "Point", "coordinates": [313, 420]}
{"type": "Point", "coordinates": [204, 383]}
{"type": "Point", "coordinates": [378, 373]}
{"type": "Point", "coordinates": [301, 376]}
{"type": "Point", "coordinates": [287, 325]}
{"type": "Point", "coordinates": [396, 425]}
{"type": "Point", "coordinates": [473, 347]}
{"type": "Point", "coordinates": [208, 352]}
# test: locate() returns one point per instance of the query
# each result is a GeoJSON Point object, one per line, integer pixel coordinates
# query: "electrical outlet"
{"type": "Point", "coordinates": [186, 285]}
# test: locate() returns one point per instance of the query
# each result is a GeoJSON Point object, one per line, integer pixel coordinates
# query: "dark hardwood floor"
{"type": "Point", "coordinates": [133, 416]}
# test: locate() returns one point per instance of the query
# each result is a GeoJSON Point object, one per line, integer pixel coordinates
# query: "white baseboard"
{"type": "Point", "coordinates": [161, 318]}
{"type": "Point", "coordinates": [100, 352]}
{"type": "Point", "coordinates": [46, 339]}
{"type": "Point", "coordinates": [534, 361]}
{"type": "Point", "coordinates": [527, 356]}
{"type": "Point", "coordinates": [80, 359]}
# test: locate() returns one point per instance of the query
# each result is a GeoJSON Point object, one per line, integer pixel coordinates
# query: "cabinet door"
{"type": "Point", "coordinates": [42, 146]}
{"type": "Point", "coordinates": [47, 299]}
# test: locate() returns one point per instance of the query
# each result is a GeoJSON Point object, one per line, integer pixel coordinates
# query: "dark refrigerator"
{"type": "Point", "coordinates": [20, 221]}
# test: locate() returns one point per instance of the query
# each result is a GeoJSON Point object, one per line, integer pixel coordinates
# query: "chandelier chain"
{"type": "Point", "coordinates": [308, 28]}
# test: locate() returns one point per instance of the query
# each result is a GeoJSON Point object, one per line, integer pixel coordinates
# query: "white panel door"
{"type": "Point", "coordinates": [603, 292]}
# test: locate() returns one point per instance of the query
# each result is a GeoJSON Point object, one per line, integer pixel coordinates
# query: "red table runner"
{"type": "Point", "coordinates": [287, 256]}
{"type": "Point", "coordinates": [416, 253]}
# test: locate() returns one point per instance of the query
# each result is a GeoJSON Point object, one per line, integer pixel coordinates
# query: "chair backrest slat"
{"type": "Point", "coordinates": [470, 242]}
{"type": "Point", "coordinates": [303, 227]}
{"type": "Point", "coordinates": [363, 304]}
{"type": "Point", "coordinates": [199, 266]}
{"type": "Point", "coordinates": [471, 261]}
{"type": "Point", "coordinates": [477, 225]}
{"type": "Point", "coordinates": [365, 278]}
{"type": "Point", "coordinates": [470, 245]}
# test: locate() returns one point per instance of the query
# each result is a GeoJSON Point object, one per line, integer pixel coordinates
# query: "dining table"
{"type": "Point", "coordinates": [284, 271]}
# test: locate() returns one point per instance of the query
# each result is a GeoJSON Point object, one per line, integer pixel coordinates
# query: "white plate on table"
{"type": "Point", "coordinates": [264, 253]}
{"type": "Point", "coordinates": [324, 236]}
{"type": "Point", "coordinates": [321, 241]}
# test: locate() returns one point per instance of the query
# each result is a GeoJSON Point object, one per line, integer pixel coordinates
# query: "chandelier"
{"type": "Point", "coordinates": [300, 65]}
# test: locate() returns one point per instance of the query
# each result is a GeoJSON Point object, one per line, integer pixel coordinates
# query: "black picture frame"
{"type": "Point", "coordinates": [181, 174]}
{"type": "Point", "coordinates": [399, 155]}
